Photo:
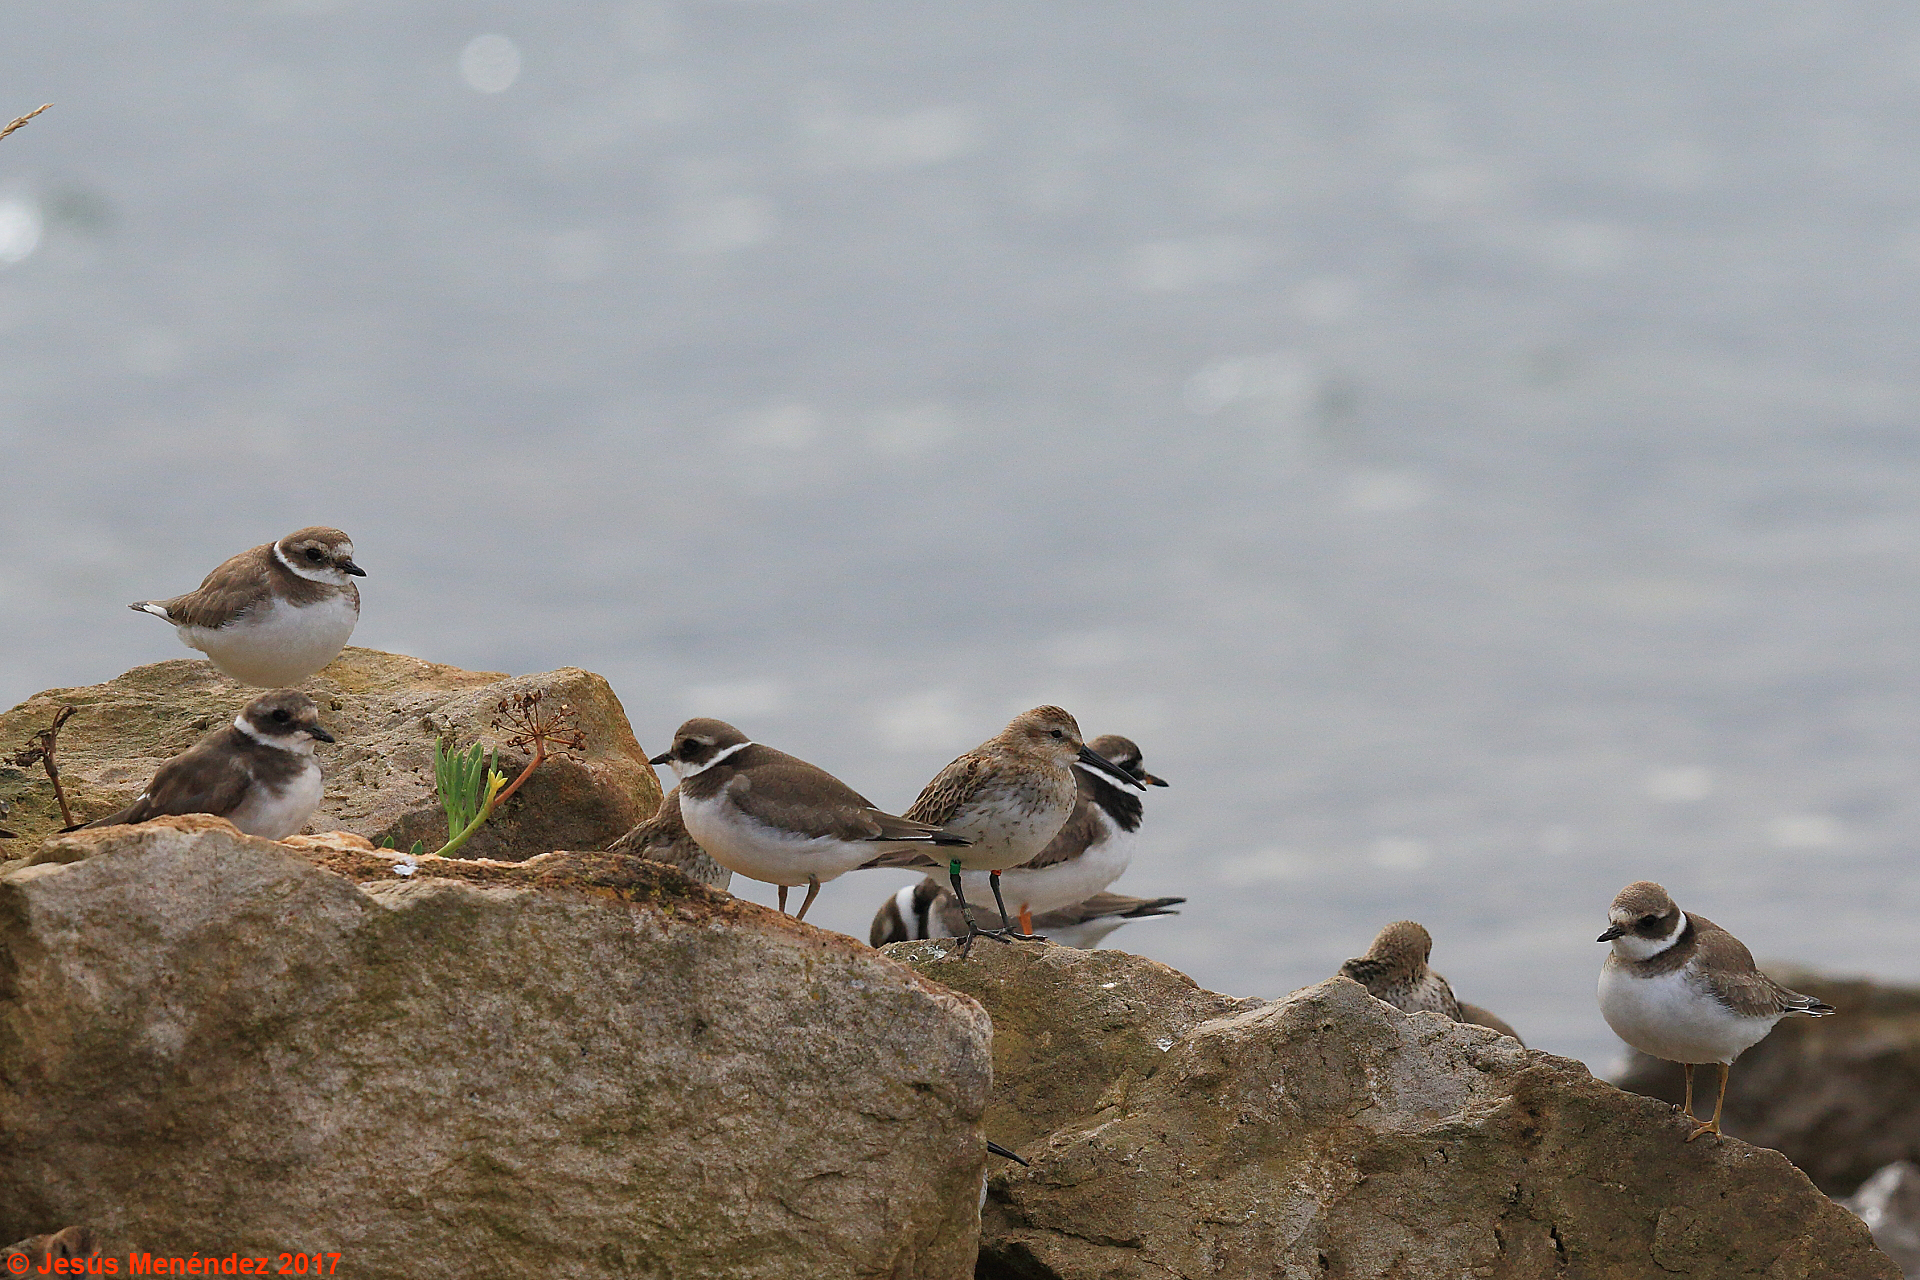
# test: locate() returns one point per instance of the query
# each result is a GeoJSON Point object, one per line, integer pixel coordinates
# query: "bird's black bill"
{"type": "Point", "coordinates": [1615, 932]}
{"type": "Point", "coordinates": [665, 757]}
{"type": "Point", "coordinates": [1093, 759]}
{"type": "Point", "coordinates": [354, 569]}
{"type": "Point", "coordinates": [317, 732]}
{"type": "Point", "coordinates": [994, 1148]}
{"type": "Point", "coordinates": [1150, 780]}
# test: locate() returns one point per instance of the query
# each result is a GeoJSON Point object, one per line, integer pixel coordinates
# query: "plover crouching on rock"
{"type": "Point", "coordinates": [664, 838]}
{"type": "Point", "coordinates": [273, 615]}
{"type": "Point", "coordinates": [258, 772]}
{"type": "Point", "coordinates": [774, 818]}
{"type": "Point", "coordinates": [1679, 987]}
{"type": "Point", "coordinates": [1008, 797]}
{"type": "Point", "coordinates": [1395, 970]}
{"type": "Point", "coordinates": [928, 910]}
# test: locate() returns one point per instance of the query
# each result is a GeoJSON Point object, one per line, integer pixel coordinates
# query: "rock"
{"type": "Point", "coordinates": [1889, 1203]}
{"type": "Point", "coordinates": [583, 1065]}
{"type": "Point", "coordinates": [387, 710]}
{"type": "Point", "coordinates": [1839, 1096]}
{"type": "Point", "coordinates": [1174, 1132]}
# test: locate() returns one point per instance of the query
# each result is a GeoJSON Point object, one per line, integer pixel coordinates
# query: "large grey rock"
{"type": "Point", "coordinates": [1178, 1133]}
{"type": "Point", "coordinates": [387, 710]}
{"type": "Point", "coordinates": [1839, 1096]}
{"type": "Point", "coordinates": [583, 1066]}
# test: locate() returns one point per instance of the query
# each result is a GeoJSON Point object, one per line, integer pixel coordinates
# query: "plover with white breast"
{"type": "Point", "coordinates": [258, 772]}
{"type": "Point", "coordinates": [1092, 849]}
{"type": "Point", "coordinates": [771, 817]}
{"type": "Point", "coordinates": [1009, 797]}
{"type": "Point", "coordinates": [664, 838]}
{"type": "Point", "coordinates": [928, 910]}
{"type": "Point", "coordinates": [273, 615]}
{"type": "Point", "coordinates": [1395, 970]}
{"type": "Point", "coordinates": [1679, 987]}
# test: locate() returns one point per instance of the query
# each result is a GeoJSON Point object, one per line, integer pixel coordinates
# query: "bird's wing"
{"type": "Point", "coordinates": [1728, 973]}
{"type": "Point", "coordinates": [228, 593]}
{"type": "Point", "coordinates": [792, 795]}
{"type": "Point", "coordinates": [198, 781]}
{"type": "Point", "coordinates": [941, 798]}
{"type": "Point", "coordinates": [1107, 904]}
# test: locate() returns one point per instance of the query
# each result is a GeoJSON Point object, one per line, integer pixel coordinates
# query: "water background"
{"type": "Point", "coordinates": [1474, 447]}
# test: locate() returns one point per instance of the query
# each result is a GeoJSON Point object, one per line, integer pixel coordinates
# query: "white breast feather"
{"type": "Point", "coordinates": [768, 854]}
{"type": "Point", "coordinates": [1064, 883]}
{"type": "Point", "coordinates": [1672, 1016]}
{"type": "Point", "coordinates": [278, 645]}
{"type": "Point", "coordinates": [274, 817]}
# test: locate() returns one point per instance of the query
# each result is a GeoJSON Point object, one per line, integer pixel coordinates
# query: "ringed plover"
{"type": "Point", "coordinates": [774, 818]}
{"type": "Point", "coordinates": [274, 615]}
{"type": "Point", "coordinates": [258, 772]}
{"type": "Point", "coordinates": [1678, 986]}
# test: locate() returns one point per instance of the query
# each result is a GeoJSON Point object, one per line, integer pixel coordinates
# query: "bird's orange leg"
{"type": "Point", "coordinates": [1713, 1125]}
{"type": "Point", "coordinates": [1026, 919]}
{"type": "Point", "coordinates": [813, 891]}
{"type": "Point", "coordinates": [1687, 1106]}
{"type": "Point", "coordinates": [783, 899]}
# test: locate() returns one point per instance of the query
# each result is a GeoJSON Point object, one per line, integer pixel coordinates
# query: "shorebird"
{"type": "Point", "coordinates": [1093, 848]}
{"type": "Point", "coordinates": [1679, 987]}
{"type": "Point", "coordinates": [1395, 970]}
{"type": "Point", "coordinates": [1008, 797]}
{"type": "Point", "coordinates": [928, 910]}
{"type": "Point", "coordinates": [664, 838]}
{"type": "Point", "coordinates": [258, 772]}
{"type": "Point", "coordinates": [774, 818]}
{"type": "Point", "coordinates": [274, 615]}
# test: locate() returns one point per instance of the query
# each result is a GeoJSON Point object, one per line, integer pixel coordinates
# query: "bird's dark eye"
{"type": "Point", "coordinates": [281, 717]}
{"type": "Point", "coordinates": [316, 554]}
{"type": "Point", "coordinates": [1647, 922]}
{"type": "Point", "coordinates": [1056, 733]}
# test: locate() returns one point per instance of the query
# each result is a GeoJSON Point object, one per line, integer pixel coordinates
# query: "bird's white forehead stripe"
{"type": "Point", "coordinates": [703, 767]}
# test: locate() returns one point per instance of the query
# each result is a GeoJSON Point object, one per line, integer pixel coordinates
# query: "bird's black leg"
{"type": "Point", "coordinates": [993, 878]}
{"type": "Point", "coordinates": [973, 928]}
{"type": "Point", "coordinates": [783, 899]}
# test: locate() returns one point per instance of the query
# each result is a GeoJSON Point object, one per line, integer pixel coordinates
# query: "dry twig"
{"type": "Point", "coordinates": [39, 750]}
{"type": "Point", "coordinates": [549, 732]}
{"type": "Point", "coordinates": [23, 119]}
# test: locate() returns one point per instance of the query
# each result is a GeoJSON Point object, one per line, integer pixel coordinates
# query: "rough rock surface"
{"type": "Point", "coordinates": [387, 710]}
{"type": "Point", "coordinates": [1178, 1133]}
{"type": "Point", "coordinates": [1839, 1096]}
{"type": "Point", "coordinates": [582, 1066]}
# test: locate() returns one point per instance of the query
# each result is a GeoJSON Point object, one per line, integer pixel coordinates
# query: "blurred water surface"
{"type": "Point", "coordinates": [1474, 447]}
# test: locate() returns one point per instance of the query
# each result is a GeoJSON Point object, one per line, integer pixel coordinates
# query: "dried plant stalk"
{"type": "Point", "coordinates": [23, 119]}
{"type": "Point", "coordinates": [40, 748]}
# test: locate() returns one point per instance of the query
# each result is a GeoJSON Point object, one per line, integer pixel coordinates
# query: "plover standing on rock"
{"type": "Point", "coordinates": [1009, 797]}
{"type": "Point", "coordinates": [1679, 987]}
{"type": "Point", "coordinates": [258, 772]}
{"type": "Point", "coordinates": [274, 615]}
{"type": "Point", "coordinates": [771, 817]}
{"type": "Point", "coordinates": [1093, 848]}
